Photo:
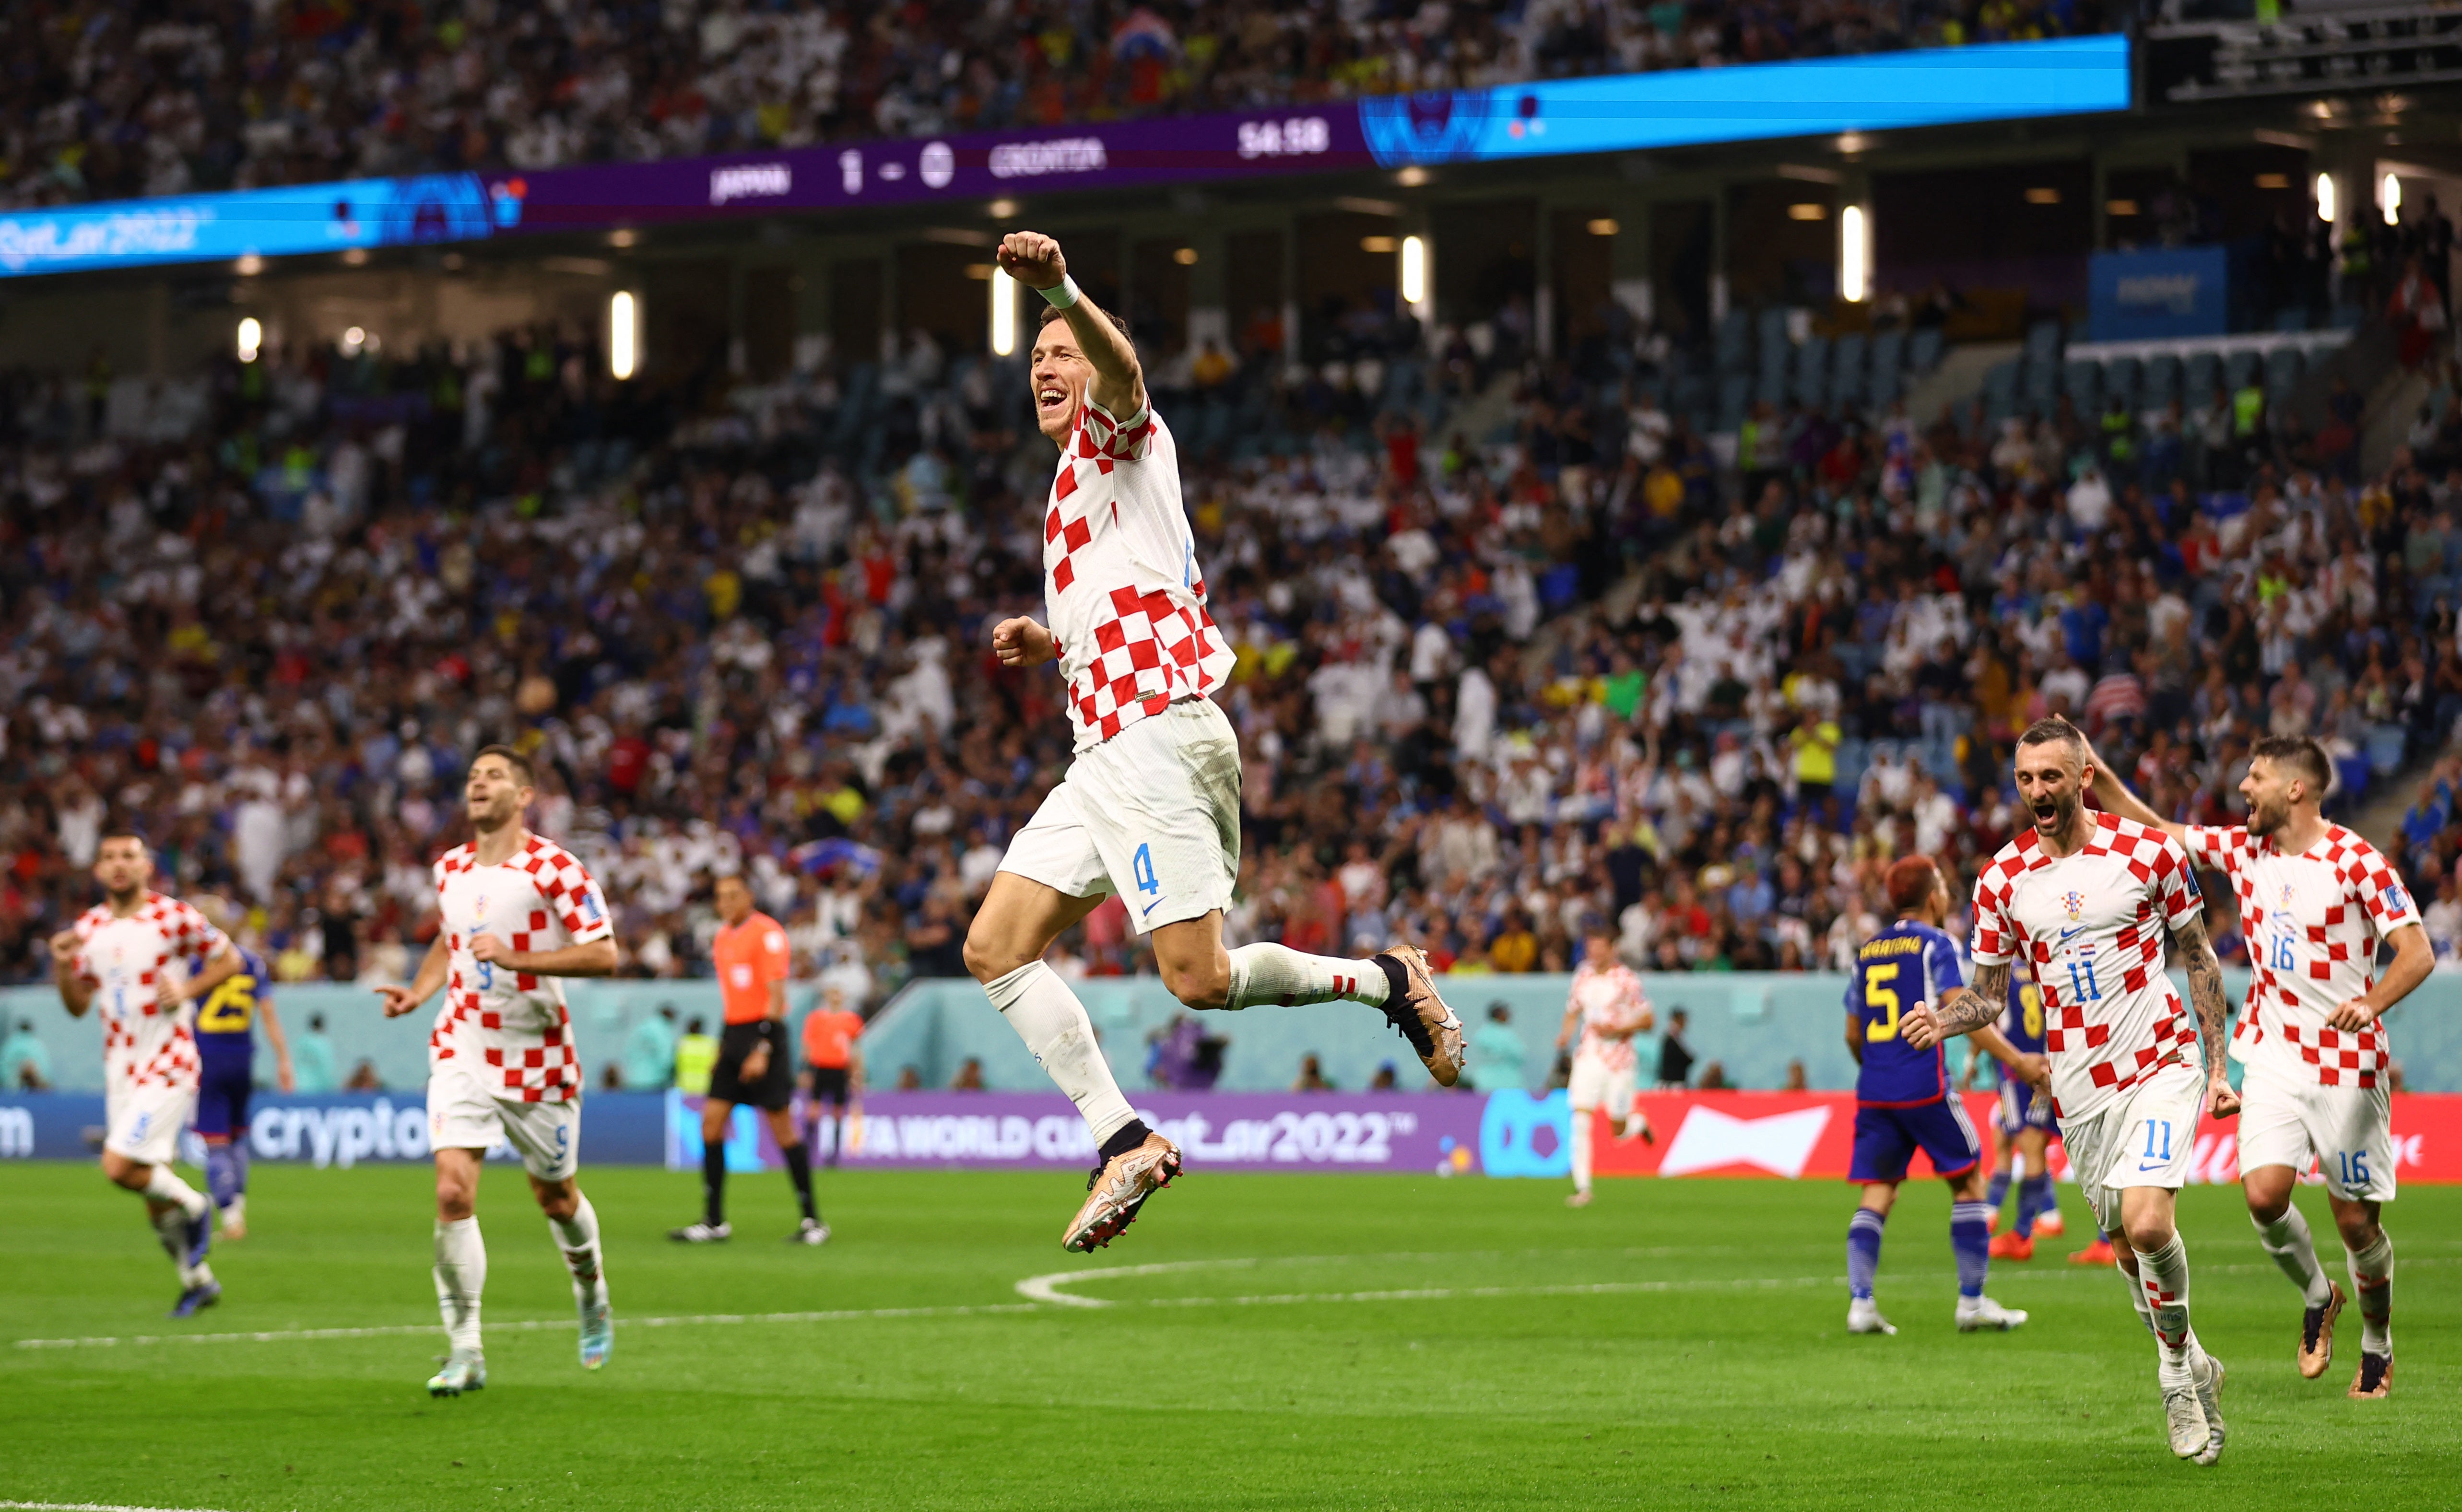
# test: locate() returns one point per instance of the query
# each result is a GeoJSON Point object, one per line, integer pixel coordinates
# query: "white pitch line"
{"type": "Point", "coordinates": [93, 1506]}
{"type": "Point", "coordinates": [1044, 1292]}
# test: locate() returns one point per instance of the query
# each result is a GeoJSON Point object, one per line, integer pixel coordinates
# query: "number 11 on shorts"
{"type": "Point", "coordinates": [1141, 869]}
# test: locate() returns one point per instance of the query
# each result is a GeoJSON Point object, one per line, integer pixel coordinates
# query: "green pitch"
{"type": "Point", "coordinates": [1297, 1342]}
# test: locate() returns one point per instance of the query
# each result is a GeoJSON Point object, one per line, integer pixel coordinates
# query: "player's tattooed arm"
{"type": "Point", "coordinates": [1961, 1009]}
{"type": "Point", "coordinates": [2212, 1007]}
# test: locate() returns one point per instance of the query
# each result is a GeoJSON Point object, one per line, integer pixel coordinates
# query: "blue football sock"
{"type": "Point", "coordinates": [226, 1173]}
{"type": "Point", "coordinates": [2034, 1194]}
{"type": "Point", "coordinates": [1863, 1251]}
{"type": "Point", "coordinates": [1998, 1192]}
{"type": "Point", "coordinates": [1970, 1236]}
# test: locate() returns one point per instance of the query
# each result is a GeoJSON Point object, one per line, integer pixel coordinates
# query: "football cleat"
{"type": "Point", "coordinates": [1978, 1313]}
{"type": "Point", "coordinates": [234, 1219]}
{"type": "Point", "coordinates": [1117, 1189]}
{"type": "Point", "coordinates": [597, 1332]}
{"type": "Point", "coordinates": [702, 1233]}
{"type": "Point", "coordinates": [2098, 1253]}
{"type": "Point", "coordinates": [2210, 1396]}
{"type": "Point", "coordinates": [2317, 1334]}
{"type": "Point", "coordinates": [2375, 1379]}
{"type": "Point", "coordinates": [203, 1295]}
{"type": "Point", "coordinates": [1638, 1128]}
{"type": "Point", "coordinates": [2185, 1416]}
{"type": "Point", "coordinates": [2048, 1221]}
{"type": "Point", "coordinates": [462, 1373]}
{"type": "Point", "coordinates": [2012, 1246]}
{"type": "Point", "coordinates": [1578, 1199]}
{"type": "Point", "coordinates": [812, 1232]}
{"type": "Point", "coordinates": [1423, 1018]}
{"type": "Point", "coordinates": [1864, 1316]}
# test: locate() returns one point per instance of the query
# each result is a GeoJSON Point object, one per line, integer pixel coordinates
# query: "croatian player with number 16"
{"type": "Point", "coordinates": [1150, 807]}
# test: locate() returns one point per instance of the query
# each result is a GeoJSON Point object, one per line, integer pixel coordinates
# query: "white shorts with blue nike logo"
{"type": "Point", "coordinates": [1152, 814]}
{"type": "Point", "coordinates": [2147, 1137]}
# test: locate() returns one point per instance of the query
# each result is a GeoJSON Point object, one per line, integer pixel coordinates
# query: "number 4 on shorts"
{"type": "Point", "coordinates": [1141, 868]}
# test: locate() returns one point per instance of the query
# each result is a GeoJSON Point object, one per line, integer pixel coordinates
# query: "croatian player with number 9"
{"type": "Point", "coordinates": [2315, 902]}
{"type": "Point", "coordinates": [1903, 1101]}
{"type": "Point", "coordinates": [516, 914]}
{"type": "Point", "coordinates": [1151, 806]}
{"type": "Point", "coordinates": [2087, 899]}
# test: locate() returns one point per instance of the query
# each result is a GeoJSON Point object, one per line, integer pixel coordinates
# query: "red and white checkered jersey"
{"type": "Point", "coordinates": [2091, 925]}
{"type": "Point", "coordinates": [1126, 600]}
{"type": "Point", "coordinates": [511, 1026]}
{"type": "Point", "coordinates": [1612, 1004]}
{"type": "Point", "coordinates": [123, 960]}
{"type": "Point", "coordinates": [2312, 921]}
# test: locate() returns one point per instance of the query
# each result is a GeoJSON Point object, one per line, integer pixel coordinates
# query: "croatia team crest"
{"type": "Point", "coordinates": [2286, 898]}
{"type": "Point", "coordinates": [2073, 903]}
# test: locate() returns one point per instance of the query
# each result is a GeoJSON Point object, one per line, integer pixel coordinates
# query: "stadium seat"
{"type": "Point", "coordinates": [2238, 370]}
{"type": "Point", "coordinates": [2162, 381]}
{"type": "Point", "coordinates": [1923, 350]}
{"type": "Point", "coordinates": [2205, 369]}
{"type": "Point", "coordinates": [2121, 377]}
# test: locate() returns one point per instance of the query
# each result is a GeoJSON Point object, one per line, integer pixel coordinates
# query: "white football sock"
{"type": "Point", "coordinates": [165, 1186]}
{"type": "Point", "coordinates": [1583, 1120]}
{"type": "Point", "coordinates": [1269, 973]}
{"type": "Point", "coordinates": [460, 1276]}
{"type": "Point", "coordinates": [577, 1237]}
{"type": "Point", "coordinates": [1054, 1025]}
{"type": "Point", "coordinates": [2372, 1289]}
{"type": "Point", "coordinates": [171, 1228]}
{"type": "Point", "coordinates": [2137, 1298]}
{"type": "Point", "coordinates": [2162, 1275]}
{"type": "Point", "coordinates": [2294, 1250]}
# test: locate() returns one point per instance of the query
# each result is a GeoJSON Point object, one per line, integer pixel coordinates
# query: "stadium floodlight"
{"type": "Point", "coordinates": [623, 333]}
{"type": "Point", "coordinates": [1004, 313]}
{"type": "Point", "coordinates": [252, 338]}
{"type": "Point", "coordinates": [2391, 200]}
{"type": "Point", "coordinates": [2325, 199]}
{"type": "Point", "coordinates": [1854, 256]}
{"type": "Point", "coordinates": [1415, 269]}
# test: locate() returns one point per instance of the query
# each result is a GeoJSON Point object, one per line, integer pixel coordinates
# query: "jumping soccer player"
{"type": "Point", "coordinates": [754, 1065]}
{"type": "Point", "coordinates": [1903, 1103]}
{"type": "Point", "coordinates": [2022, 1129]}
{"type": "Point", "coordinates": [1151, 806]}
{"type": "Point", "coordinates": [132, 954]}
{"type": "Point", "coordinates": [517, 913]}
{"type": "Point", "coordinates": [2086, 897]}
{"type": "Point", "coordinates": [2314, 900]}
{"type": "Point", "coordinates": [226, 1053]}
{"type": "Point", "coordinates": [1609, 1008]}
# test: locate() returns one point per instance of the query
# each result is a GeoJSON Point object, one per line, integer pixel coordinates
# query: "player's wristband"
{"type": "Point", "coordinates": [1062, 296]}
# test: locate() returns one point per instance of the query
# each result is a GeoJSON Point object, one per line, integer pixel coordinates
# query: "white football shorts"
{"type": "Point", "coordinates": [1152, 814]}
{"type": "Point", "coordinates": [1594, 1084]}
{"type": "Point", "coordinates": [143, 1123]}
{"type": "Point", "coordinates": [2285, 1118]}
{"type": "Point", "coordinates": [2147, 1136]}
{"type": "Point", "coordinates": [462, 1114]}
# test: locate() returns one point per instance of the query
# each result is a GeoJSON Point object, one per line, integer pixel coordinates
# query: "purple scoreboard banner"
{"type": "Point", "coordinates": [1423, 1132]}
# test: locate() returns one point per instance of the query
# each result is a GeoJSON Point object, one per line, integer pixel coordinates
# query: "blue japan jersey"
{"type": "Point", "coordinates": [226, 1018]}
{"type": "Point", "coordinates": [2021, 1023]}
{"type": "Point", "coordinates": [1904, 964]}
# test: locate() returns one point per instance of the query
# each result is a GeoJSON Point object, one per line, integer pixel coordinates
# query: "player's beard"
{"type": "Point", "coordinates": [2265, 820]}
{"type": "Point", "coordinates": [2064, 812]}
{"type": "Point", "coordinates": [124, 896]}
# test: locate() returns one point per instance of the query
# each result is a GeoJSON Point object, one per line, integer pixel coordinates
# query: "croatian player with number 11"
{"type": "Point", "coordinates": [1151, 806]}
{"type": "Point", "coordinates": [517, 913]}
{"type": "Point", "coordinates": [2087, 899]}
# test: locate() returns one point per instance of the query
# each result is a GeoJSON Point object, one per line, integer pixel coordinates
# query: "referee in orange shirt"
{"type": "Point", "coordinates": [754, 1065]}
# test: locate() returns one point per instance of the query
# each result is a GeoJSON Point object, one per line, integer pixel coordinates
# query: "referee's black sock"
{"type": "Point", "coordinates": [799, 1166]}
{"type": "Point", "coordinates": [713, 1181]}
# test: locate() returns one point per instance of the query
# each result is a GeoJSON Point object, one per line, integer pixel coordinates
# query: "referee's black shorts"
{"type": "Point", "coordinates": [830, 1085]}
{"type": "Point", "coordinates": [776, 1088]}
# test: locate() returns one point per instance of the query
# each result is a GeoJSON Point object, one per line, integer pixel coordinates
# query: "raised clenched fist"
{"type": "Point", "coordinates": [1033, 259]}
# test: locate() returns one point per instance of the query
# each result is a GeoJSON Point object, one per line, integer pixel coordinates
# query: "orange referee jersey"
{"type": "Point", "coordinates": [750, 955]}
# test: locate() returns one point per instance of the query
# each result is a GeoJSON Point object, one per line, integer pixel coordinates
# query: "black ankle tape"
{"type": "Point", "coordinates": [1398, 1011]}
{"type": "Point", "coordinates": [1128, 1137]}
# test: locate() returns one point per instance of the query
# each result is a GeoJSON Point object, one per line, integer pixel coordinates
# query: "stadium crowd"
{"type": "Point", "coordinates": [1490, 690]}
{"type": "Point", "coordinates": [105, 99]}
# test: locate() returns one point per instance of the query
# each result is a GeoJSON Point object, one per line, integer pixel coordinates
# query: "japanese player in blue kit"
{"type": "Point", "coordinates": [226, 1057]}
{"type": "Point", "coordinates": [1903, 1103]}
